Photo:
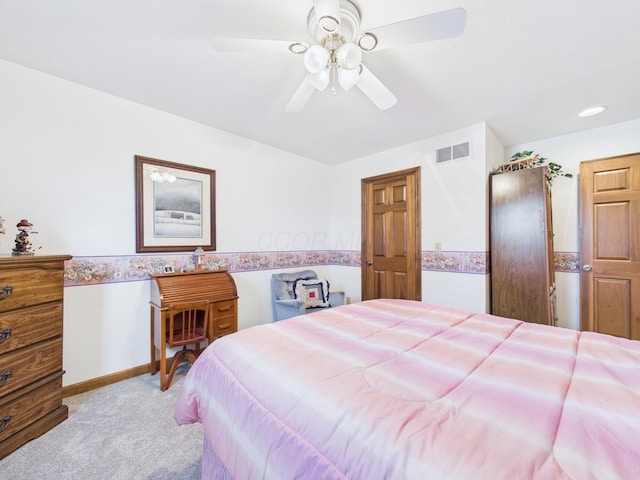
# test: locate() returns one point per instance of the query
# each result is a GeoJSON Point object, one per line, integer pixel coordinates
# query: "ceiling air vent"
{"type": "Point", "coordinates": [454, 152]}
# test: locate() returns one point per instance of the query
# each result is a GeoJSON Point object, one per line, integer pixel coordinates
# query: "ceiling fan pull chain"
{"type": "Point", "coordinates": [333, 78]}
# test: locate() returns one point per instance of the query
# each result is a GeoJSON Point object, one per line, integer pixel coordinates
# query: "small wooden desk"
{"type": "Point", "coordinates": [216, 286]}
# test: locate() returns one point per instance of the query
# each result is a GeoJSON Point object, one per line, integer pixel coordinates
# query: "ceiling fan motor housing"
{"type": "Point", "coordinates": [348, 28]}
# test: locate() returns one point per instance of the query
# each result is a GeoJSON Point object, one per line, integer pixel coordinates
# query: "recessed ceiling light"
{"type": "Point", "coordinates": [592, 111]}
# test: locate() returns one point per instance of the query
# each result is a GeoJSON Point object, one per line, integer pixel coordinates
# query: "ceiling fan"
{"type": "Point", "coordinates": [336, 56]}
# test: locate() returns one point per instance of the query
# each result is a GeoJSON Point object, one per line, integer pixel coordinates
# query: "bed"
{"type": "Point", "coordinates": [397, 389]}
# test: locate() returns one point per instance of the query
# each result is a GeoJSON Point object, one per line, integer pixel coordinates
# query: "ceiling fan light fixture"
{"type": "Point", "coordinates": [349, 56]}
{"type": "Point", "coordinates": [348, 78]}
{"type": "Point", "coordinates": [320, 80]}
{"type": "Point", "coordinates": [315, 59]}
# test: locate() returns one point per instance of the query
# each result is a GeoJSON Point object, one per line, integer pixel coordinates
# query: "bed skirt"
{"type": "Point", "coordinates": [212, 467]}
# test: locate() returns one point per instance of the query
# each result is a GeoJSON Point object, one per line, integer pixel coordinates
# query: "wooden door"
{"type": "Point", "coordinates": [610, 246]}
{"type": "Point", "coordinates": [391, 247]}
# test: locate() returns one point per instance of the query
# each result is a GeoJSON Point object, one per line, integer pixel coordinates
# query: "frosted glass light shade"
{"type": "Point", "coordinates": [315, 59]}
{"type": "Point", "coordinates": [320, 80]}
{"type": "Point", "coordinates": [349, 56]}
{"type": "Point", "coordinates": [348, 78]}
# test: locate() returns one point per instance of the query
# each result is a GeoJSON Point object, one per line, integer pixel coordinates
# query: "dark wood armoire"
{"type": "Point", "coordinates": [522, 258]}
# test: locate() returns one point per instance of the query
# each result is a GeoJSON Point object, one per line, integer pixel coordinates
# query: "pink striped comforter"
{"type": "Point", "coordinates": [394, 389]}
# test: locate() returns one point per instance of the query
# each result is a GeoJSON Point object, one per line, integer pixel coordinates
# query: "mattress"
{"type": "Point", "coordinates": [397, 389]}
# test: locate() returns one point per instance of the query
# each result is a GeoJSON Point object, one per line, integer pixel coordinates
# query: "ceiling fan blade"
{"type": "Point", "coordinates": [300, 96]}
{"type": "Point", "coordinates": [223, 44]}
{"type": "Point", "coordinates": [435, 26]}
{"type": "Point", "coordinates": [327, 14]}
{"type": "Point", "coordinates": [375, 90]}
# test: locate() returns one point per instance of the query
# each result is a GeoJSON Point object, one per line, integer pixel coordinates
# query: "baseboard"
{"type": "Point", "coordinates": [105, 380]}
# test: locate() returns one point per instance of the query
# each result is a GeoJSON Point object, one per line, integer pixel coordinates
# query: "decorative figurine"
{"type": "Point", "coordinates": [23, 245]}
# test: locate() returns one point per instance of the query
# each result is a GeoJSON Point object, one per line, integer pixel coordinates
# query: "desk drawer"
{"type": "Point", "coordinates": [29, 285]}
{"type": "Point", "coordinates": [223, 309]}
{"type": "Point", "coordinates": [30, 407]}
{"type": "Point", "coordinates": [30, 325]}
{"type": "Point", "coordinates": [222, 328]}
{"type": "Point", "coordinates": [26, 365]}
{"type": "Point", "coordinates": [224, 318]}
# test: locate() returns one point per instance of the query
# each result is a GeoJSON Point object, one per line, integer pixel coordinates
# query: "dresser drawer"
{"type": "Point", "coordinates": [30, 325]}
{"type": "Point", "coordinates": [26, 365]}
{"type": "Point", "coordinates": [30, 407]}
{"type": "Point", "coordinates": [29, 285]}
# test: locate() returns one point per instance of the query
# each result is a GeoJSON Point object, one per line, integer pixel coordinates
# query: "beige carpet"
{"type": "Point", "coordinates": [124, 431]}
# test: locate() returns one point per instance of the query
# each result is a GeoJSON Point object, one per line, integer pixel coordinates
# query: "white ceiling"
{"type": "Point", "coordinates": [525, 67]}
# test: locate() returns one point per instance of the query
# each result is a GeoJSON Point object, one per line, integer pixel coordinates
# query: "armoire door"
{"type": "Point", "coordinates": [522, 264]}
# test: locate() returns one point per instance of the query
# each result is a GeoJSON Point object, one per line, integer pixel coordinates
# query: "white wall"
{"type": "Point", "coordinates": [70, 153]}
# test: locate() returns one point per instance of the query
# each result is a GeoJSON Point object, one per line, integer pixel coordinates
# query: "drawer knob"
{"type": "Point", "coordinates": [4, 422]}
{"type": "Point", "coordinates": [4, 335]}
{"type": "Point", "coordinates": [5, 291]}
{"type": "Point", "coordinates": [224, 309]}
{"type": "Point", "coordinates": [4, 377]}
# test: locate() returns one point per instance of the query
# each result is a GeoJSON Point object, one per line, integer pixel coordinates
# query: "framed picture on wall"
{"type": "Point", "coordinates": [175, 206]}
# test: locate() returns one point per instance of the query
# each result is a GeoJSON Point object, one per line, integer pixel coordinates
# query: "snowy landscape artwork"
{"type": "Point", "coordinates": [177, 209]}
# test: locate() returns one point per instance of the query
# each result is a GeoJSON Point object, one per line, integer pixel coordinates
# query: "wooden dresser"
{"type": "Point", "coordinates": [31, 294]}
{"type": "Point", "coordinates": [216, 286]}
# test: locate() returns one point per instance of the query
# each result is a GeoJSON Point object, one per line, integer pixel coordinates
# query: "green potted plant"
{"type": "Point", "coordinates": [530, 159]}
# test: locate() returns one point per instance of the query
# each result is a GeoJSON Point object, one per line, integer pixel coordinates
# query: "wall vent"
{"type": "Point", "coordinates": [453, 152]}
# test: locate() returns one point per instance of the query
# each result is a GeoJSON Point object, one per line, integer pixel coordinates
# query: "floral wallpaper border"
{"type": "Point", "coordinates": [115, 269]}
{"type": "Point", "coordinates": [567, 262]}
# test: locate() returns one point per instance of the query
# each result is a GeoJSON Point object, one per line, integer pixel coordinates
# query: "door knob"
{"type": "Point", "coordinates": [369, 262]}
{"type": "Point", "coordinates": [586, 268]}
